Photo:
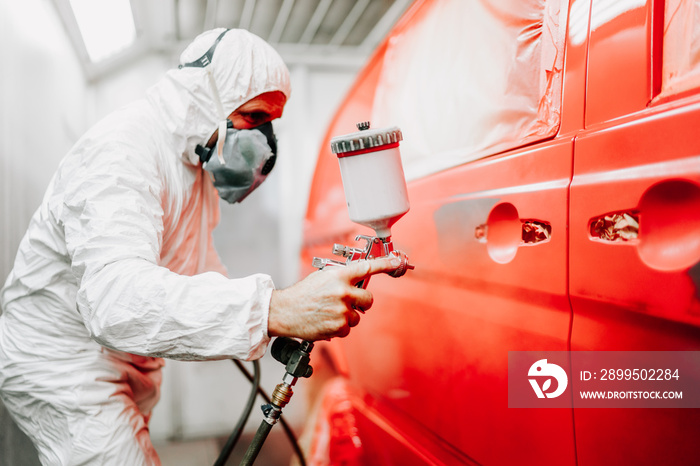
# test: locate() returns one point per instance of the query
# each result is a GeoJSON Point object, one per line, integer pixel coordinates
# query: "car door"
{"type": "Point", "coordinates": [428, 365]}
{"type": "Point", "coordinates": [635, 224]}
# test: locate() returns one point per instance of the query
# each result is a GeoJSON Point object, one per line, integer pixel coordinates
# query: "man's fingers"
{"type": "Point", "coordinates": [357, 270]}
{"type": "Point", "coordinates": [360, 299]}
{"type": "Point", "coordinates": [353, 319]}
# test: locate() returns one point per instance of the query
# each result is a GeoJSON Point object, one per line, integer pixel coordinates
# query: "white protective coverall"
{"type": "Point", "coordinates": [117, 268]}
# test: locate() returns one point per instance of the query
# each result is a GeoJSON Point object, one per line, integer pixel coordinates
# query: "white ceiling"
{"type": "Point", "coordinates": [336, 33]}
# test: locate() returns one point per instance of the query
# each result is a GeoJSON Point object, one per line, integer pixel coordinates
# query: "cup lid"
{"type": "Point", "coordinates": [366, 139]}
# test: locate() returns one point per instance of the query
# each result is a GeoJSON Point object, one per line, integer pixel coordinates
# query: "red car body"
{"type": "Point", "coordinates": [424, 378]}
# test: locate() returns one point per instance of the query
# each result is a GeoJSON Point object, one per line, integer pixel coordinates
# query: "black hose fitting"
{"type": "Point", "coordinates": [294, 355]}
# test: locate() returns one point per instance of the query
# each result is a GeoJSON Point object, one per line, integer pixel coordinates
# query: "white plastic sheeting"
{"type": "Point", "coordinates": [471, 78]}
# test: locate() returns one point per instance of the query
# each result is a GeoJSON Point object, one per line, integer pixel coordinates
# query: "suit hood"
{"type": "Point", "coordinates": [243, 67]}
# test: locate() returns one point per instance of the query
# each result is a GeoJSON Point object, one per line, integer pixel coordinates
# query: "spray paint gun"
{"type": "Point", "coordinates": [375, 192]}
{"type": "Point", "coordinates": [376, 196]}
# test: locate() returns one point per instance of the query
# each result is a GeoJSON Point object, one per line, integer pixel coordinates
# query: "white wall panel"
{"type": "Point", "coordinates": [42, 108]}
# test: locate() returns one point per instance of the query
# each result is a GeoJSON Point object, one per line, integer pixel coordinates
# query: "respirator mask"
{"type": "Point", "coordinates": [244, 157]}
{"type": "Point", "coordinates": [247, 157]}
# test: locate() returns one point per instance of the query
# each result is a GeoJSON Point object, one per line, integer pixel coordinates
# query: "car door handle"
{"type": "Point", "coordinates": [504, 232]}
{"type": "Point", "coordinates": [664, 227]}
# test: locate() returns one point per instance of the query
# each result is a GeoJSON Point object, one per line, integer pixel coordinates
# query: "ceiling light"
{"type": "Point", "coordinates": [106, 26]}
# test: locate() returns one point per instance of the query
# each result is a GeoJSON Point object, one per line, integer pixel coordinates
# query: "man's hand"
{"type": "Point", "coordinates": [325, 304]}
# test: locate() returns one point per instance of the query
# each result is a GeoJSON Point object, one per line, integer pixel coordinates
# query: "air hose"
{"type": "Point", "coordinates": [295, 356]}
{"type": "Point", "coordinates": [237, 431]}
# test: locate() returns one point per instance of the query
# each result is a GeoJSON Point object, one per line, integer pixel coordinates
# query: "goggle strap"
{"type": "Point", "coordinates": [222, 116]}
{"type": "Point", "coordinates": [205, 60]}
{"type": "Point", "coordinates": [220, 141]}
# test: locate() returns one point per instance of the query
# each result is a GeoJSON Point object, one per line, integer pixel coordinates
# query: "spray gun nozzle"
{"type": "Point", "coordinates": [403, 266]}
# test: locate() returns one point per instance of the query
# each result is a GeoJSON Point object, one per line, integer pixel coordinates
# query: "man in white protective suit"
{"type": "Point", "coordinates": [117, 268]}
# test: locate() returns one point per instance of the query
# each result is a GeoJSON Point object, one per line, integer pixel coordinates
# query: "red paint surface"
{"type": "Point", "coordinates": [425, 373]}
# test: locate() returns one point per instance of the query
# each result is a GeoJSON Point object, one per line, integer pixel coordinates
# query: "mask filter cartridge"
{"type": "Point", "coordinates": [248, 157]}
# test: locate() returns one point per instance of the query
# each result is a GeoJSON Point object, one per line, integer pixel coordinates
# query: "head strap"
{"type": "Point", "coordinates": [205, 60]}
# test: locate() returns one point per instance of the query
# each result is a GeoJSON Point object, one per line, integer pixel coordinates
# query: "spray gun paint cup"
{"type": "Point", "coordinates": [373, 178]}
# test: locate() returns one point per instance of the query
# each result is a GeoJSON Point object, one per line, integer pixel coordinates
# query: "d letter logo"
{"type": "Point", "coordinates": [543, 369]}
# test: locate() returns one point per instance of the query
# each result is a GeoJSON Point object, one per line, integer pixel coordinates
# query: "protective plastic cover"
{"type": "Point", "coordinates": [469, 79]}
{"type": "Point", "coordinates": [681, 48]}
